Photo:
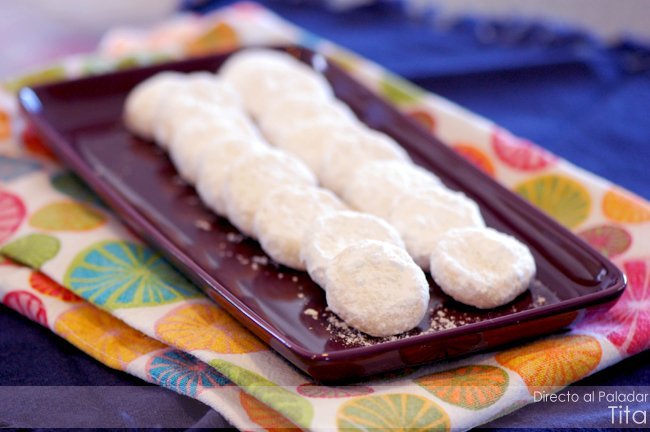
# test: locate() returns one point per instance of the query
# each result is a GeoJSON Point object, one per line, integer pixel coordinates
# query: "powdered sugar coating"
{"type": "Point", "coordinates": [207, 87]}
{"type": "Point", "coordinates": [481, 267]}
{"type": "Point", "coordinates": [253, 177]}
{"type": "Point", "coordinates": [377, 288]}
{"type": "Point", "coordinates": [194, 138]}
{"type": "Point", "coordinates": [422, 217]}
{"type": "Point", "coordinates": [284, 217]}
{"type": "Point", "coordinates": [262, 76]}
{"type": "Point", "coordinates": [142, 102]}
{"type": "Point", "coordinates": [374, 187]}
{"type": "Point", "coordinates": [215, 163]}
{"type": "Point", "coordinates": [241, 66]}
{"type": "Point", "coordinates": [294, 111]}
{"type": "Point", "coordinates": [329, 234]}
{"type": "Point", "coordinates": [183, 109]}
{"type": "Point", "coordinates": [349, 150]}
{"type": "Point", "coordinates": [311, 142]}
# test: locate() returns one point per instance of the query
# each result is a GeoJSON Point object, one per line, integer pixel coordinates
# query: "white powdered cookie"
{"type": "Point", "coordinates": [329, 234]}
{"type": "Point", "coordinates": [237, 67]}
{"type": "Point", "coordinates": [274, 85]}
{"type": "Point", "coordinates": [142, 102]}
{"type": "Point", "coordinates": [311, 142]}
{"type": "Point", "coordinates": [481, 267]}
{"type": "Point", "coordinates": [192, 138]}
{"type": "Point", "coordinates": [284, 217]}
{"type": "Point", "coordinates": [256, 175]}
{"type": "Point", "coordinates": [180, 109]}
{"type": "Point", "coordinates": [209, 88]}
{"type": "Point", "coordinates": [376, 287]}
{"type": "Point", "coordinates": [422, 217]}
{"type": "Point", "coordinates": [263, 76]}
{"type": "Point", "coordinates": [374, 187]}
{"type": "Point", "coordinates": [294, 111]}
{"type": "Point", "coordinates": [349, 150]}
{"type": "Point", "coordinates": [215, 163]}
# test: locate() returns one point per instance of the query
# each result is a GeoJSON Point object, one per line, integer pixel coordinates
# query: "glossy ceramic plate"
{"type": "Point", "coordinates": [81, 120]}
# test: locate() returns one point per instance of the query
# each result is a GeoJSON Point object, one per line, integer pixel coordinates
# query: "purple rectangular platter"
{"type": "Point", "coordinates": [81, 121]}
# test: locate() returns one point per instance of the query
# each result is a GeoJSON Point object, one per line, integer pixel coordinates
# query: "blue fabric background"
{"type": "Point", "coordinates": [583, 100]}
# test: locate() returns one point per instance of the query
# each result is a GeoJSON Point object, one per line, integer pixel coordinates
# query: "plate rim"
{"type": "Point", "coordinates": [254, 322]}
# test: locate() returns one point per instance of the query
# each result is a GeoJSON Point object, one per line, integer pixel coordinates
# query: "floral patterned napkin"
{"type": "Point", "coordinates": [89, 280]}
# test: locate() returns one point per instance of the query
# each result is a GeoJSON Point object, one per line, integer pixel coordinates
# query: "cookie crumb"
{"type": "Point", "coordinates": [311, 312]}
{"type": "Point", "coordinates": [234, 237]}
{"type": "Point", "coordinates": [260, 260]}
{"type": "Point", "coordinates": [349, 336]}
{"type": "Point", "coordinates": [203, 225]}
{"type": "Point", "coordinates": [242, 259]}
{"type": "Point", "coordinates": [441, 322]}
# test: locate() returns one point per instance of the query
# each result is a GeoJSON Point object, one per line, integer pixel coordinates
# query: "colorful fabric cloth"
{"type": "Point", "coordinates": [92, 271]}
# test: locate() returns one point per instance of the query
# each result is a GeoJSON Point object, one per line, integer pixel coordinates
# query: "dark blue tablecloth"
{"type": "Point", "coordinates": [583, 100]}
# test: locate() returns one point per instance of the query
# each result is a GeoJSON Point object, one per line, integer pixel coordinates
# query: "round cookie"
{"type": "Point", "coordinates": [350, 149]}
{"type": "Point", "coordinates": [262, 76]}
{"type": "Point", "coordinates": [375, 185]}
{"type": "Point", "coordinates": [329, 234]}
{"type": "Point", "coordinates": [214, 165]}
{"type": "Point", "coordinates": [422, 217]}
{"type": "Point", "coordinates": [376, 287]}
{"type": "Point", "coordinates": [284, 216]}
{"type": "Point", "coordinates": [209, 88]}
{"type": "Point", "coordinates": [274, 85]}
{"type": "Point", "coordinates": [481, 267]}
{"type": "Point", "coordinates": [249, 61]}
{"type": "Point", "coordinates": [180, 109]}
{"type": "Point", "coordinates": [194, 137]}
{"type": "Point", "coordinates": [293, 112]}
{"type": "Point", "coordinates": [142, 102]}
{"type": "Point", "coordinates": [253, 177]}
{"type": "Point", "coordinates": [311, 142]}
